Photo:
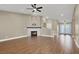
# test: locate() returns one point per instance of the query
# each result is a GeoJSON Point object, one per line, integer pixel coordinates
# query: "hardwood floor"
{"type": "Point", "coordinates": [44, 45]}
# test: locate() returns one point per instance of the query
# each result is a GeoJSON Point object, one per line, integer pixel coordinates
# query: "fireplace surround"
{"type": "Point", "coordinates": [33, 31]}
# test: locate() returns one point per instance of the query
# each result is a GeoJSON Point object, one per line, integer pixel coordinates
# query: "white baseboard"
{"type": "Point", "coordinates": [2, 40]}
{"type": "Point", "coordinates": [76, 43]}
{"type": "Point", "coordinates": [47, 35]}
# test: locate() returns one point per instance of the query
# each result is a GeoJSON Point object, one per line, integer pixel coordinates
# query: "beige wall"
{"type": "Point", "coordinates": [12, 24]}
{"type": "Point", "coordinates": [50, 31]}
{"type": "Point", "coordinates": [15, 24]}
{"type": "Point", "coordinates": [77, 24]}
{"type": "Point", "coordinates": [34, 21]}
{"type": "Point", "coordinates": [55, 27]}
{"type": "Point", "coordinates": [44, 29]}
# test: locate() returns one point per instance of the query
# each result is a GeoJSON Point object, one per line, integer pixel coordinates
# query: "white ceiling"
{"type": "Point", "coordinates": [52, 11]}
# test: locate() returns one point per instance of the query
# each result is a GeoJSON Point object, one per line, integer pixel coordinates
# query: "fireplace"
{"type": "Point", "coordinates": [33, 33]}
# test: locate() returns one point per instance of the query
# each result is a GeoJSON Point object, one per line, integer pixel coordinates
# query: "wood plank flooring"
{"type": "Point", "coordinates": [39, 45]}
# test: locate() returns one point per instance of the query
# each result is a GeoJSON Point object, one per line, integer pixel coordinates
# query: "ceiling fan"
{"type": "Point", "coordinates": [35, 8]}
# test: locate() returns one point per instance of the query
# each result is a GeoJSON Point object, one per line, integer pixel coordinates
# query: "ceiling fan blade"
{"type": "Point", "coordinates": [39, 7]}
{"type": "Point", "coordinates": [39, 10]}
{"type": "Point", "coordinates": [33, 5]}
{"type": "Point", "coordinates": [33, 11]}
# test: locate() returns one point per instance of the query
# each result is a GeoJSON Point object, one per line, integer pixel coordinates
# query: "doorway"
{"type": "Point", "coordinates": [65, 29]}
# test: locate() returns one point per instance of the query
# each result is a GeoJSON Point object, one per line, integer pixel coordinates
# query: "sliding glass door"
{"type": "Point", "coordinates": [65, 28]}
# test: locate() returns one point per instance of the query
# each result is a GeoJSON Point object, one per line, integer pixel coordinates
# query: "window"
{"type": "Point", "coordinates": [65, 28]}
{"type": "Point", "coordinates": [68, 28]}
{"type": "Point", "coordinates": [61, 28]}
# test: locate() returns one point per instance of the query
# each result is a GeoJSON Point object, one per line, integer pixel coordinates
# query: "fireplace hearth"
{"type": "Point", "coordinates": [33, 33]}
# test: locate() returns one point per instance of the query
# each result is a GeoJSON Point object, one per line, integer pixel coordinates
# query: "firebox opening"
{"type": "Point", "coordinates": [33, 33]}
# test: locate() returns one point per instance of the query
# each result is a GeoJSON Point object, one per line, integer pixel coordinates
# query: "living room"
{"type": "Point", "coordinates": [39, 28]}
